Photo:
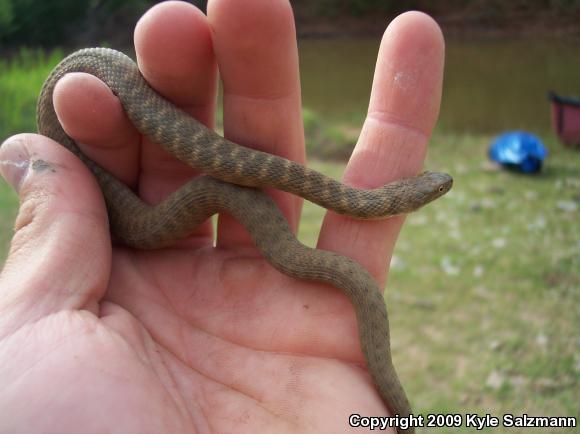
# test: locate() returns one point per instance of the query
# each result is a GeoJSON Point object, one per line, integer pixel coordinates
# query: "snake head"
{"type": "Point", "coordinates": [410, 194]}
{"type": "Point", "coordinates": [434, 185]}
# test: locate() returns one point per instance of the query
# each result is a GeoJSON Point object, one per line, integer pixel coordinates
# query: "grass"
{"type": "Point", "coordinates": [484, 285]}
{"type": "Point", "coordinates": [20, 81]}
{"type": "Point", "coordinates": [483, 290]}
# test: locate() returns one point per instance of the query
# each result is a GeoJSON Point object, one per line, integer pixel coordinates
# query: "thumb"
{"type": "Point", "coordinates": [60, 252]}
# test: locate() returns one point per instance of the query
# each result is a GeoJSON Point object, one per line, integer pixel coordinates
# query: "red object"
{"type": "Point", "coordinates": [566, 118]}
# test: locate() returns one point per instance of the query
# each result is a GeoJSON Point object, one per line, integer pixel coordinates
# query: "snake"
{"type": "Point", "coordinates": [232, 182]}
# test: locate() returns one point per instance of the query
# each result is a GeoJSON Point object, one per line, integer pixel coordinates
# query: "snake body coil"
{"type": "Point", "coordinates": [232, 169]}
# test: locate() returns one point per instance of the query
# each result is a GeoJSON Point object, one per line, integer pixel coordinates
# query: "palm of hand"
{"type": "Point", "coordinates": [217, 344]}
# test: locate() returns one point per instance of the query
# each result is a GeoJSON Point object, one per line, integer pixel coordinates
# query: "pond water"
{"type": "Point", "coordinates": [489, 86]}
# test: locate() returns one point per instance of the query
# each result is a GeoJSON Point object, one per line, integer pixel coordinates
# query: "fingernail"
{"type": "Point", "coordinates": [14, 161]}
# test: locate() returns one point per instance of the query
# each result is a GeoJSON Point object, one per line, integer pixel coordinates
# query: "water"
{"type": "Point", "coordinates": [489, 86]}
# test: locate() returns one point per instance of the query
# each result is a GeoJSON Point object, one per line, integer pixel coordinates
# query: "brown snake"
{"type": "Point", "coordinates": [231, 169]}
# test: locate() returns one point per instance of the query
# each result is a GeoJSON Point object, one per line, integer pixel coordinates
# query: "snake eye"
{"type": "Point", "coordinates": [441, 189]}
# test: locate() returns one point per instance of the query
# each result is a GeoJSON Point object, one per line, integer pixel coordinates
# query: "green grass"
{"type": "Point", "coordinates": [20, 81]}
{"type": "Point", "coordinates": [483, 293]}
{"type": "Point", "coordinates": [484, 289]}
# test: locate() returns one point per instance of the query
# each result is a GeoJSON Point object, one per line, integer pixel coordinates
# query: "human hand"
{"type": "Point", "coordinates": [197, 338]}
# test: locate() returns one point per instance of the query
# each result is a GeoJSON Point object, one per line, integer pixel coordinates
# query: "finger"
{"type": "Point", "coordinates": [255, 45]}
{"type": "Point", "coordinates": [60, 253]}
{"type": "Point", "coordinates": [403, 109]}
{"type": "Point", "coordinates": [90, 114]}
{"type": "Point", "coordinates": [175, 54]}
{"type": "Point", "coordinates": [182, 76]}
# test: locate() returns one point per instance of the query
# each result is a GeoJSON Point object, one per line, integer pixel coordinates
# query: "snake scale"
{"type": "Point", "coordinates": [232, 173]}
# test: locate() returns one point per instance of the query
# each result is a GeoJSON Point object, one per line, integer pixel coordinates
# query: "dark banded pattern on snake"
{"type": "Point", "coordinates": [232, 169]}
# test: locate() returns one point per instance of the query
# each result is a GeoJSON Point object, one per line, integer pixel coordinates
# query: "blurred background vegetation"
{"type": "Point", "coordinates": [71, 22]}
{"type": "Point", "coordinates": [484, 288]}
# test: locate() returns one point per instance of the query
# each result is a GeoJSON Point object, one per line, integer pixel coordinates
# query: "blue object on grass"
{"type": "Point", "coordinates": [518, 150]}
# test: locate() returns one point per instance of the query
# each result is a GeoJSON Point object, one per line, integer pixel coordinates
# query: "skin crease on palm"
{"type": "Point", "coordinates": [197, 338]}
